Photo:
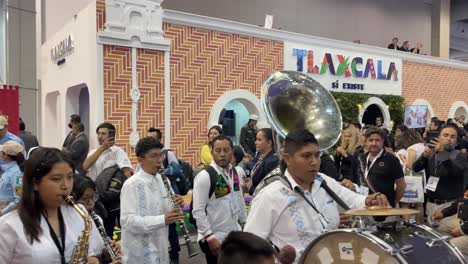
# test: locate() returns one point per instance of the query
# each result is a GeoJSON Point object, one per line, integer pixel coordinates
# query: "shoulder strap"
{"type": "Point", "coordinates": [213, 179]}
{"type": "Point", "coordinates": [275, 175]}
{"type": "Point", "coordinates": [334, 196]}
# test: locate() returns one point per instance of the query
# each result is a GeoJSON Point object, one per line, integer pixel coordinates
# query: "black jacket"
{"type": "Point", "coordinates": [78, 152]}
{"type": "Point", "coordinates": [247, 139]}
{"type": "Point", "coordinates": [265, 166]}
{"type": "Point", "coordinates": [391, 46]}
{"type": "Point", "coordinates": [347, 168]}
{"type": "Point", "coordinates": [450, 169]}
{"type": "Point", "coordinates": [327, 167]}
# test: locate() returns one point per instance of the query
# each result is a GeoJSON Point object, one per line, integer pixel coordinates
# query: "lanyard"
{"type": "Point", "coordinates": [308, 199]}
{"type": "Point", "coordinates": [61, 248]}
{"type": "Point", "coordinates": [368, 167]}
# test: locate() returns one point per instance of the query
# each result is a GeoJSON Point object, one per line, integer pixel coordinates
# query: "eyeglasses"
{"type": "Point", "coordinates": [88, 199]}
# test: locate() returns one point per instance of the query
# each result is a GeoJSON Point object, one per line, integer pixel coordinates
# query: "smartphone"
{"type": "Point", "coordinates": [112, 134]}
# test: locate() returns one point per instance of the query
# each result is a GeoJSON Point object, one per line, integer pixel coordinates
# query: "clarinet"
{"type": "Point", "coordinates": [105, 238]}
{"type": "Point", "coordinates": [190, 248]}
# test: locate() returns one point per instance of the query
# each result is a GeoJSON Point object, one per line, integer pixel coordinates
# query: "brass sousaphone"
{"type": "Point", "coordinates": [293, 100]}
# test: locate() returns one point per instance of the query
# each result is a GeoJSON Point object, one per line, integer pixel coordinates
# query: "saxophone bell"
{"type": "Point", "coordinates": [80, 251]}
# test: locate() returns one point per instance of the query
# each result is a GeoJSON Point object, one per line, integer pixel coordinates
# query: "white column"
{"type": "Point", "coordinates": [135, 95]}
{"type": "Point", "coordinates": [440, 32]}
{"type": "Point", "coordinates": [167, 99]}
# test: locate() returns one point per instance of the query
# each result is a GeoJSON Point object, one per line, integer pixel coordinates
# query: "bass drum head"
{"type": "Point", "coordinates": [345, 247]}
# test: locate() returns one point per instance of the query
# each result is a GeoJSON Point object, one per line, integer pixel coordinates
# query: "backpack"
{"type": "Point", "coordinates": [182, 170]}
{"type": "Point", "coordinates": [213, 180]}
{"type": "Point", "coordinates": [109, 184]}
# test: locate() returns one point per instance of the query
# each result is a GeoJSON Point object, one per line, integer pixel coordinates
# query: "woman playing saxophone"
{"type": "Point", "coordinates": [44, 229]}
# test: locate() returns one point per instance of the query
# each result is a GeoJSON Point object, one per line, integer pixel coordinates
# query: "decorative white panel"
{"type": "Point", "coordinates": [134, 23]}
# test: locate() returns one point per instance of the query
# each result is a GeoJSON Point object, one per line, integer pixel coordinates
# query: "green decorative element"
{"type": "Point", "coordinates": [349, 105]}
{"type": "Point", "coordinates": [341, 68]}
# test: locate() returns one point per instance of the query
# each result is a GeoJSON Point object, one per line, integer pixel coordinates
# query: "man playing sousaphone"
{"type": "Point", "coordinates": [299, 213]}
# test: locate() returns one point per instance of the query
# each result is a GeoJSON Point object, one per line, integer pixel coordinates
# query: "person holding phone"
{"type": "Point", "coordinates": [445, 167]}
{"type": "Point", "coordinates": [105, 156]}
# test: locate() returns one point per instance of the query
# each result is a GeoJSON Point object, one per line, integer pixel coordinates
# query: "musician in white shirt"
{"type": "Point", "coordinates": [281, 215]}
{"type": "Point", "coordinates": [146, 209]}
{"type": "Point", "coordinates": [44, 229]}
{"type": "Point", "coordinates": [221, 212]}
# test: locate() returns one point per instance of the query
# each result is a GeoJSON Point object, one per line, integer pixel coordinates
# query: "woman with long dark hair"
{"type": "Point", "coordinates": [205, 153]}
{"type": "Point", "coordinates": [267, 160]}
{"type": "Point", "coordinates": [44, 229]}
{"type": "Point", "coordinates": [10, 181]}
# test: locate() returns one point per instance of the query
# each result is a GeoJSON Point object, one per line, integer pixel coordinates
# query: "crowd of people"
{"type": "Point", "coordinates": [405, 47]}
{"type": "Point", "coordinates": [38, 222]}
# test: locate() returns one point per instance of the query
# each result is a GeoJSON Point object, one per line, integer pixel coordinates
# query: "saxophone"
{"type": "Point", "coordinates": [191, 251]}
{"type": "Point", "coordinates": [80, 251]}
{"type": "Point", "coordinates": [105, 238]}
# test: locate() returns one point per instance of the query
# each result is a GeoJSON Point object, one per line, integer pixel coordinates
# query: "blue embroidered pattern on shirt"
{"type": "Point", "coordinates": [142, 210]}
{"type": "Point", "coordinates": [298, 220]}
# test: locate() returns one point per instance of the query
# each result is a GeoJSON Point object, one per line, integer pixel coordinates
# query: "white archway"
{"type": "Point", "coordinates": [429, 107]}
{"type": "Point", "coordinates": [383, 108]}
{"type": "Point", "coordinates": [52, 120]}
{"type": "Point", "coordinates": [458, 108]}
{"type": "Point", "coordinates": [248, 99]}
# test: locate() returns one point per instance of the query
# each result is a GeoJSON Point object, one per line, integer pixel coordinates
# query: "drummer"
{"type": "Point", "coordinates": [280, 213]}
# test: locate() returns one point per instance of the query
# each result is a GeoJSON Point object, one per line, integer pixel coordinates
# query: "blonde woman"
{"type": "Point", "coordinates": [345, 161]}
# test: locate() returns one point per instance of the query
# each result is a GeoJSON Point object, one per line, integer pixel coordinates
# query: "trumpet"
{"type": "Point", "coordinates": [105, 238]}
{"type": "Point", "coordinates": [190, 248]}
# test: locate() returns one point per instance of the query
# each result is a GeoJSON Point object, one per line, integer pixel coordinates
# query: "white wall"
{"type": "Point", "coordinates": [374, 22]}
{"type": "Point", "coordinates": [58, 12]}
{"type": "Point", "coordinates": [80, 67]}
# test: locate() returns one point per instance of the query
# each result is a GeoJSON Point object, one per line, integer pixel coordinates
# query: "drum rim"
{"type": "Point", "coordinates": [449, 245]}
{"type": "Point", "coordinates": [363, 233]}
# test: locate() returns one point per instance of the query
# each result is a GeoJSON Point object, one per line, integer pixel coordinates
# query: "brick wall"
{"type": "Point", "coordinates": [204, 65]}
{"type": "Point", "coordinates": [440, 85]}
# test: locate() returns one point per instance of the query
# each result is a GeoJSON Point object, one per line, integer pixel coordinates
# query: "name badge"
{"type": "Point", "coordinates": [432, 183]}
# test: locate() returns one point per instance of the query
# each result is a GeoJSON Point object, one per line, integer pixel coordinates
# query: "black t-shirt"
{"type": "Point", "coordinates": [383, 174]}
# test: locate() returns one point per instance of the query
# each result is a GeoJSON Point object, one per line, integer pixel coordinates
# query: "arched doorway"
{"type": "Point", "coordinates": [52, 111]}
{"type": "Point", "coordinates": [458, 108]}
{"type": "Point", "coordinates": [234, 116]}
{"type": "Point", "coordinates": [233, 109]}
{"type": "Point", "coordinates": [77, 102]}
{"type": "Point", "coordinates": [370, 115]}
{"type": "Point", "coordinates": [373, 108]}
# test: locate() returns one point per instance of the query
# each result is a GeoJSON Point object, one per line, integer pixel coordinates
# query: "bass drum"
{"type": "Point", "coordinates": [406, 244]}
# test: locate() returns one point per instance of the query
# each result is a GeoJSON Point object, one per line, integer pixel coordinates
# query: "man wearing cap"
{"type": "Point", "coordinates": [248, 135]}
{"type": "Point", "coordinates": [6, 136]}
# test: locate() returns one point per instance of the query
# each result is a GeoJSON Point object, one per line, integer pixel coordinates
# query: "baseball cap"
{"type": "Point", "coordinates": [3, 121]}
{"type": "Point", "coordinates": [12, 148]}
{"type": "Point", "coordinates": [254, 117]}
